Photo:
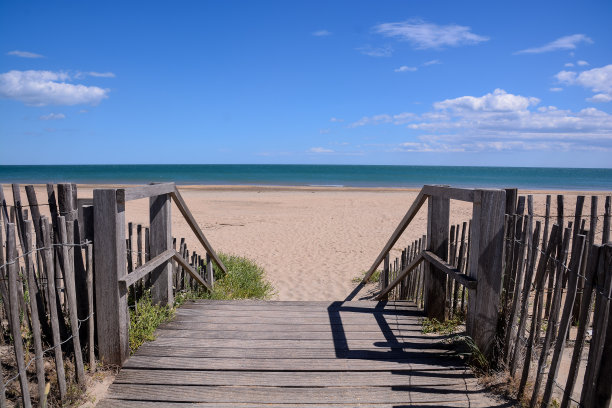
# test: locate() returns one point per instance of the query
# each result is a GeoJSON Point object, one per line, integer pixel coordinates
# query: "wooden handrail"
{"type": "Point", "coordinates": [180, 203]}
{"type": "Point", "coordinates": [150, 266]}
{"type": "Point", "coordinates": [414, 208]}
{"type": "Point", "coordinates": [450, 270]}
{"type": "Point", "coordinates": [413, 264]}
{"type": "Point", "coordinates": [150, 190]}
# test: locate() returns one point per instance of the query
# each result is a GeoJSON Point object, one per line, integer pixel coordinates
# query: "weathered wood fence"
{"type": "Point", "coordinates": [544, 280]}
{"type": "Point", "coordinates": [65, 275]}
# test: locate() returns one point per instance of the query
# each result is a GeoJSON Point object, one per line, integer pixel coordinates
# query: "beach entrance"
{"type": "Point", "coordinates": [84, 265]}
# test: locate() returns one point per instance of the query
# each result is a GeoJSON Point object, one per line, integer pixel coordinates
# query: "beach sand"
{"type": "Point", "coordinates": [312, 242]}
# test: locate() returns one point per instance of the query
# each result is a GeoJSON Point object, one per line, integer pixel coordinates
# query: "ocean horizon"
{"type": "Point", "coordinates": [390, 176]}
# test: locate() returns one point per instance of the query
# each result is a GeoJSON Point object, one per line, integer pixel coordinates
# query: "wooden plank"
{"type": "Point", "coordinates": [53, 311]}
{"type": "Point", "coordinates": [262, 327]}
{"type": "Point", "coordinates": [603, 393]}
{"type": "Point", "coordinates": [435, 278]}
{"type": "Point", "coordinates": [450, 270]}
{"type": "Point", "coordinates": [33, 297]}
{"type": "Point", "coordinates": [160, 240]}
{"type": "Point", "coordinates": [266, 395]}
{"type": "Point", "coordinates": [110, 265]}
{"type": "Point", "coordinates": [142, 271]}
{"type": "Point", "coordinates": [466, 403]}
{"type": "Point", "coordinates": [293, 379]}
{"type": "Point", "coordinates": [67, 232]}
{"type": "Point", "coordinates": [3, 209]}
{"type": "Point", "coordinates": [381, 335]}
{"type": "Point", "coordinates": [486, 255]}
{"type": "Point", "coordinates": [147, 191]}
{"type": "Point", "coordinates": [180, 203]}
{"type": "Point", "coordinates": [410, 214]}
{"type": "Point", "coordinates": [450, 193]}
{"type": "Point", "coordinates": [13, 314]}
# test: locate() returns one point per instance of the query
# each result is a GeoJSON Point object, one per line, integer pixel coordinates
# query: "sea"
{"type": "Point", "coordinates": [316, 175]}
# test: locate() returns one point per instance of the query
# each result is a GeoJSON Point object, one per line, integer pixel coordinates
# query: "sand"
{"type": "Point", "coordinates": [312, 242]}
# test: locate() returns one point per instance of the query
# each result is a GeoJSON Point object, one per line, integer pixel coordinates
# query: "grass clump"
{"type": "Point", "coordinates": [244, 280]}
{"type": "Point", "coordinates": [449, 326]}
{"type": "Point", "coordinates": [374, 278]}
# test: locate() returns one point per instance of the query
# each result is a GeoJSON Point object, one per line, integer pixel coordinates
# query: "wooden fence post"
{"type": "Point", "coordinates": [485, 264]}
{"type": "Point", "coordinates": [110, 265]}
{"type": "Point", "coordinates": [160, 222]}
{"type": "Point", "coordinates": [437, 242]}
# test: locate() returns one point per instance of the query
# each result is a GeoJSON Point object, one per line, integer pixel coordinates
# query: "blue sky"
{"type": "Point", "coordinates": [354, 82]}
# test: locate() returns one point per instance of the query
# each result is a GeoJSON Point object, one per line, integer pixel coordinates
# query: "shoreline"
{"type": "Point", "coordinates": [299, 188]}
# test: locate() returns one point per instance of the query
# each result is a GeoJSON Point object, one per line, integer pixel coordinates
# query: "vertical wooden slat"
{"type": "Point", "coordinates": [3, 209]}
{"type": "Point", "coordinates": [52, 299]}
{"type": "Point", "coordinates": [605, 235]}
{"type": "Point", "coordinates": [437, 242]}
{"type": "Point", "coordinates": [110, 265]}
{"type": "Point", "coordinates": [603, 390]}
{"type": "Point", "coordinates": [566, 317]}
{"type": "Point", "coordinates": [11, 256]}
{"type": "Point", "coordinates": [91, 330]}
{"type": "Point", "coordinates": [66, 234]}
{"type": "Point", "coordinates": [161, 240]}
{"type": "Point", "coordinates": [36, 330]}
{"type": "Point", "coordinates": [486, 252]}
{"type": "Point", "coordinates": [209, 270]}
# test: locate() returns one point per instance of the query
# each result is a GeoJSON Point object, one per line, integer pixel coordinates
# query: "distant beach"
{"type": "Point", "coordinates": [334, 176]}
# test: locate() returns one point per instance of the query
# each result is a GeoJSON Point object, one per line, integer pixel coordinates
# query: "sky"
{"type": "Point", "coordinates": [307, 82]}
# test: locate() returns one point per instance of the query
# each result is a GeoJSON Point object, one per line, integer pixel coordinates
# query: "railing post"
{"type": "Point", "coordinates": [160, 218]}
{"type": "Point", "coordinates": [110, 264]}
{"type": "Point", "coordinates": [486, 259]}
{"type": "Point", "coordinates": [437, 242]}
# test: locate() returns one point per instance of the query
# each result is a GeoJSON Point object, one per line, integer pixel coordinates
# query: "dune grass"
{"type": "Point", "coordinates": [244, 280]}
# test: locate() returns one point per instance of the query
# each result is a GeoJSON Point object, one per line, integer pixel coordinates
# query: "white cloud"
{"type": "Point", "coordinates": [53, 116]}
{"type": "Point", "coordinates": [321, 33]}
{"type": "Point", "coordinates": [319, 150]}
{"type": "Point", "coordinates": [336, 120]}
{"type": "Point", "coordinates": [582, 63]}
{"type": "Point", "coordinates": [568, 64]}
{"type": "Point", "coordinates": [498, 101]}
{"type": "Point", "coordinates": [568, 42]}
{"type": "Point", "coordinates": [39, 88]}
{"type": "Point", "coordinates": [398, 119]}
{"type": "Point", "coordinates": [599, 80]}
{"type": "Point", "coordinates": [432, 62]}
{"type": "Point", "coordinates": [423, 35]}
{"type": "Point", "coordinates": [500, 121]}
{"type": "Point", "coordinates": [370, 51]}
{"type": "Point", "coordinates": [101, 74]}
{"type": "Point", "coordinates": [24, 54]}
{"type": "Point", "coordinates": [557, 89]}
{"type": "Point", "coordinates": [405, 68]}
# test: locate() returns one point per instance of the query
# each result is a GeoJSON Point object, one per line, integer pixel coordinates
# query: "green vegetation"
{"type": "Point", "coordinates": [244, 280]}
{"type": "Point", "coordinates": [450, 326]}
{"type": "Point", "coordinates": [374, 278]}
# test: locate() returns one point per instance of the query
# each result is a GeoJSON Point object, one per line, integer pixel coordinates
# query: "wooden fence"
{"type": "Point", "coordinates": [59, 295]}
{"type": "Point", "coordinates": [554, 277]}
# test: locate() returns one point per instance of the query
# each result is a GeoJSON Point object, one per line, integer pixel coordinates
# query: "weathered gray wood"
{"type": "Point", "coordinates": [437, 243]}
{"type": "Point", "coordinates": [34, 208]}
{"type": "Point", "coordinates": [564, 324]}
{"type": "Point", "coordinates": [410, 214]}
{"type": "Point", "coordinates": [18, 212]}
{"type": "Point", "coordinates": [160, 229]}
{"type": "Point", "coordinates": [33, 296]}
{"type": "Point", "coordinates": [583, 323]}
{"type": "Point", "coordinates": [209, 270]}
{"type": "Point", "coordinates": [66, 234]}
{"type": "Point", "coordinates": [53, 311]}
{"type": "Point", "coordinates": [450, 270]}
{"type": "Point", "coordinates": [401, 275]}
{"type": "Point", "coordinates": [553, 320]}
{"type": "Point", "coordinates": [450, 193]}
{"type": "Point", "coordinates": [11, 256]}
{"type": "Point", "coordinates": [577, 225]}
{"type": "Point", "coordinates": [192, 272]}
{"type": "Point", "coordinates": [142, 271]}
{"type": "Point", "coordinates": [3, 209]}
{"type": "Point", "coordinates": [147, 191]}
{"type": "Point", "coordinates": [486, 255]}
{"type": "Point", "coordinates": [603, 391]}
{"type": "Point", "coordinates": [91, 328]}
{"type": "Point", "coordinates": [110, 265]}
{"type": "Point", "coordinates": [511, 200]}
{"type": "Point", "coordinates": [180, 203]}
{"type": "Point", "coordinates": [605, 234]}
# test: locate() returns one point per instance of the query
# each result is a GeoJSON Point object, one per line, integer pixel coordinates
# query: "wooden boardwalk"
{"type": "Point", "coordinates": [280, 354]}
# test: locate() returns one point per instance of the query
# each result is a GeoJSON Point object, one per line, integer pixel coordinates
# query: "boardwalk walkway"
{"type": "Point", "coordinates": [280, 354]}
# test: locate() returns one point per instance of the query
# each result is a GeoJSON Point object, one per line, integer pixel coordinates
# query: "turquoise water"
{"type": "Point", "coordinates": [316, 175]}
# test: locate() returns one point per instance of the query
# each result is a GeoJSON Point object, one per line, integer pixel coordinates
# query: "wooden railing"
{"type": "Point", "coordinates": [484, 277]}
{"type": "Point", "coordinates": [111, 278]}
